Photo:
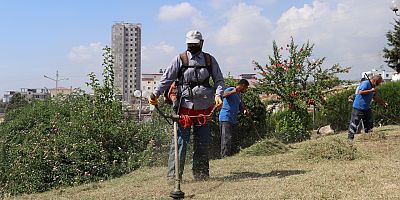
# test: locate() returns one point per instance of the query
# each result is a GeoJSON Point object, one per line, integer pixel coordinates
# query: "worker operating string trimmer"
{"type": "Point", "coordinates": [362, 105]}
{"type": "Point", "coordinates": [185, 83]}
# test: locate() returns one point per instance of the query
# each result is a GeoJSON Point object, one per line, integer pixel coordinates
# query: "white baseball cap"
{"type": "Point", "coordinates": [193, 36]}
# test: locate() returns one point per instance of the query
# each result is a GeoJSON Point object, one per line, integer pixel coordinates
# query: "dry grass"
{"type": "Point", "coordinates": [283, 176]}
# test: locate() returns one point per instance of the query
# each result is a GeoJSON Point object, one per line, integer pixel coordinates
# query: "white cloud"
{"type": "Point", "coordinates": [222, 4]}
{"type": "Point", "coordinates": [182, 10]}
{"type": "Point", "coordinates": [244, 37]}
{"type": "Point", "coordinates": [86, 54]}
{"type": "Point", "coordinates": [351, 33]}
{"type": "Point", "coordinates": [245, 25]}
{"type": "Point", "coordinates": [155, 57]}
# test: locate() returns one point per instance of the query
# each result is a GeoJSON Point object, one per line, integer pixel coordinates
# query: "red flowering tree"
{"type": "Point", "coordinates": [296, 78]}
{"type": "Point", "coordinates": [299, 81]}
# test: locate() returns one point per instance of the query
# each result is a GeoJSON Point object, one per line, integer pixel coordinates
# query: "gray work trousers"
{"type": "Point", "coordinates": [356, 117]}
{"type": "Point", "coordinates": [229, 139]}
{"type": "Point", "coordinates": [201, 140]}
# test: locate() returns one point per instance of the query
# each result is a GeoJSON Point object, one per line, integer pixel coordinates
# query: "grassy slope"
{"type": "Point", "coordinates": [285, 176]}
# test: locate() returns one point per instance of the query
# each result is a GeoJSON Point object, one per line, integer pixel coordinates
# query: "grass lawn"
{"type": "Point", "coordinates": [374, 174]}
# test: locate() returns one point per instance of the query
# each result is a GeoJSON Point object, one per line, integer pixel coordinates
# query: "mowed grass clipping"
{"type": "Point", "coordinates": [266, 147]}
{"type": "Point", "coordinates": [333, 148]}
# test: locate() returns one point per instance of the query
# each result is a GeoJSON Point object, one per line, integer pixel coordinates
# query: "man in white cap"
{"type": "Point", "coordinates": [189, 74]}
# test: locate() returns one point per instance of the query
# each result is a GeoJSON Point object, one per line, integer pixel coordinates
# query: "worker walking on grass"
{"type": "Point", "coordinates": [362, 105]}
{"type": "Point", "coordinates": [351, 99]}
{"type": "Point", "coordinates": [188, 75]}
{"type": "Point", "coordinates": [231, 106]}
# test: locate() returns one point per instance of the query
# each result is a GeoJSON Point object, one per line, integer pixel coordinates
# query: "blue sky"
{"type": "Point", "coordinates": [42, 36]}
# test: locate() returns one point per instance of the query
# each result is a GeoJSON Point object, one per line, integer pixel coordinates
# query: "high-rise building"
{"type": "Point", "coordinates": [126, 50]}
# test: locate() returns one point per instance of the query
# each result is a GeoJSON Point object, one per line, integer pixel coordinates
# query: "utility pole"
{"type": "Point", "coordinates": [57, 79]}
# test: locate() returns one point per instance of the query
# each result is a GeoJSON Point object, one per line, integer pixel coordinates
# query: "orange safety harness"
{"type": "Point", "coordinates": [187, 115]}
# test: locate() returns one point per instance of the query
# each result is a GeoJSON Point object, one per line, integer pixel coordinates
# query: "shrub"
{"type": "Point", "coordinates": [292, 126]}
{"type": "Point", "coordinates": [338, 110]}
{"type": "Point", "coordinates": [329, 149]}
{"type": "Point", "coordinates": [53, 143]}
{"type": "Point", "coordinates": [73, 139]}
{"type": "Point", "coordinates": [265, 147]}
{"type": "Point", "coordinates": [389, 92]}
{"type": "Point", "coordinates": [338, 107]}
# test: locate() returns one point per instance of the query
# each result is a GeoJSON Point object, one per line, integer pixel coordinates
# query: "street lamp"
{"type": "Point", "coordinates": [395, 7]}
{"type": "Point", "coordinates": [138, 94]}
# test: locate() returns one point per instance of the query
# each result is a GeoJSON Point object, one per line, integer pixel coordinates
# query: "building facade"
{"type": "Point", "coordinates": [60, 90]}
{"type": "Point", "coordinates": [387, 76]}
{"type": "Point", "coordinates": [126, 50]}
{"type": "Point", "coordinates": [150, 82]}
{"type": "Point", "coordinates": [29, 94]}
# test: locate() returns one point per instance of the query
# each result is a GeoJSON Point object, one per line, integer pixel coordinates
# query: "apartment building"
{"type": "Point", "coordinates": [150, 82]}
{"type": "Point", "coordinates": [126, 50]}
{"type": "Point", "coordinates": [29, 94]}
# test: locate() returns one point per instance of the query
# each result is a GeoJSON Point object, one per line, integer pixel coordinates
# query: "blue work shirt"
{"type": "Point", "coordinates": [230, 107]}
{"type": "Point", "coordinates": [200, 97]}
{"type": "Point", "coordinates": [363, 102]}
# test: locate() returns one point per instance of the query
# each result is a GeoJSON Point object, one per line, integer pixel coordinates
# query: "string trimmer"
{"type": "Point", "coordinates": [177, 192]}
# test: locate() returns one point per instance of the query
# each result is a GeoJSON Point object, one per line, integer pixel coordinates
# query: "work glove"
{"type": "Point", "coordinates": [153, 99]}
{"type": "Point", "coordinates": [218, 102]}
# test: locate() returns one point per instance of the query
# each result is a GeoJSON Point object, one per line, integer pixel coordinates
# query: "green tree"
{"type": "Point", "coordinates": [392, 53]}
{"type": "Point", "coordinates": [17, 101]}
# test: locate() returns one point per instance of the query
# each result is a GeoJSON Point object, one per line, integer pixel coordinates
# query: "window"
{"type": "Point", "coordinates": [148, 88]}
{"type": "Point", "coordinates": [148, 82]}
{"type": "Point", "coordinates": [387, 75]}
{"type": "Point", "coordinates": [154, 82]}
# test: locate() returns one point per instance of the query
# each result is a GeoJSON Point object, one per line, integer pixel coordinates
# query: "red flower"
{"type": "Point", "coordinates": [301, 49]}
{"type": "Point", "coordinates": [290, 106]}
{"type": "Point", "coordinates": [272, 67]}
{"type": "Point", "coordinates": [264, 73]}
{"type": "Point", "coordinates": [293, 94]}
{"type": "Point", "coordinates": [284, 70]}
